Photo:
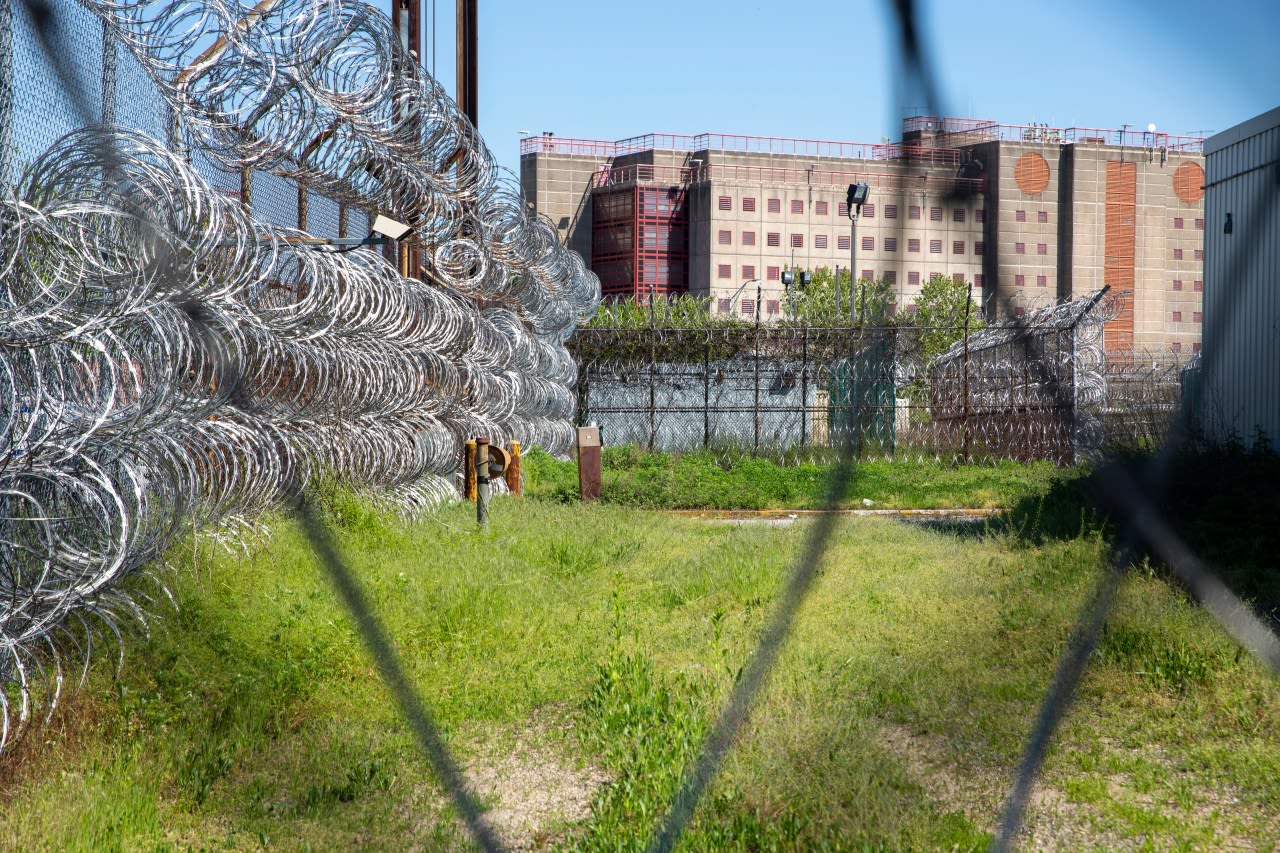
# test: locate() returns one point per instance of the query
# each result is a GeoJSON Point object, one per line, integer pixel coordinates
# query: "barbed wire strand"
{"type": "Point", "coordinates": [402, 689]}
{"type": "Point", "coordinates": [1143, 523]}
{"type": "Point", "coordinates": [800, 576]}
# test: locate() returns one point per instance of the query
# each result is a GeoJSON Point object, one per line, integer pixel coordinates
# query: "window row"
{"type": "Point", "coordinates": [1196, 286]}
{"type": "Point", "coordinates": [747, 306]}
{"type": "Point", "coordinates": [1042, 216]}
{"type": "Point", "coordinates": [1176, 346]}
{"type": "Point", "coordinates": [1196, 317]}
{"type": "Point", "coordinates": [1180, 223]}
{"type": "Point", "coordinates": [774, 273]}
{"type": "Point", "coordinates": [869, 210]}
{"type": "Point", "coordinates": [868, 244]}
{"type": "Point", "coordinates": [1198, 254]}
{"type": "Point", "coordinates": [1020, 280]}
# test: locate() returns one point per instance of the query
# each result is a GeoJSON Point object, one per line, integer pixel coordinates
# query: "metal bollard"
{"type": "Point", "coordinates": [589, 462]}
{"type": "Point", "coordinates": [482, 482]}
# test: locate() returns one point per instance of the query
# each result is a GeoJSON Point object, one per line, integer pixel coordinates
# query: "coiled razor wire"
{"type": "Point", "coordinates": [319, 91]}
{"type": "Point", "coordinates": [167, 362]}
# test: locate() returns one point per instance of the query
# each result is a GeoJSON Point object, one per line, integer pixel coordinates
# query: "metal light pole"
{"type": "Point", "coordinates": [756, 384]}
{"type": "Point", "coordinates": [856, 197]}
{"type": "Point", "coordinates": [853, 263]}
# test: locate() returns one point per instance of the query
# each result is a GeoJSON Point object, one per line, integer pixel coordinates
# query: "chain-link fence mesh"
{"type": "Point", "coordinates": [1038, 389]}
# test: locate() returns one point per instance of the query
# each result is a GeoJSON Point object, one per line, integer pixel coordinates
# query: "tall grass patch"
{"type": "Point", "coordinates": [609, 638]}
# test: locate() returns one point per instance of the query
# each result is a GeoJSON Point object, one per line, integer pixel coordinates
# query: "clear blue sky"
{"type": "Point", "coordinates": [829, 70]}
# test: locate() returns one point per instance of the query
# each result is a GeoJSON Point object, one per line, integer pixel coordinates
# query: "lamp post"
{"type": "Point", "coordinates": [744, 287]}
{"type": "Point", "coordinates": [854, 200]}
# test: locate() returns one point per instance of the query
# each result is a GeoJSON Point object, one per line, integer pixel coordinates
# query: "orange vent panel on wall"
{"type": "Point", "coordinates": [1031, 173]}
{"type": "Point", "coordinates": [1119, 245]}
{"type": "Point", "coordinates": [1188, 182]}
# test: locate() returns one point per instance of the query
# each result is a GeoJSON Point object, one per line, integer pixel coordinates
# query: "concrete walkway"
{"type": "Point", "coordinates": [784, 517]}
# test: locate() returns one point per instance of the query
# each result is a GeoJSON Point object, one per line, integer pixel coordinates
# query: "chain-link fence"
{"type": "Point", "coordinates": [1039, 389]}
{"type": "Point", "coordinates": [100, 81]}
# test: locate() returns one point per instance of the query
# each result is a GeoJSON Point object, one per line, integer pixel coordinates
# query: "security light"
{"type": "Point", "coordinates": [390, 228]}
{"type": "Point", "coordinates": [857, 197]}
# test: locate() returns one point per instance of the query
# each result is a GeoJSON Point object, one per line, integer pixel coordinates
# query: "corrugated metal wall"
{"type": "Point", "coordinates": [1242, 283]}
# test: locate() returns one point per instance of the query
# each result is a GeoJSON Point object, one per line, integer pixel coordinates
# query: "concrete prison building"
{"type": "Point", "coordinates": [1030, 214]}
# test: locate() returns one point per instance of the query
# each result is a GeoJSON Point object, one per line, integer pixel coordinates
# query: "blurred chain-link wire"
{"type": "Point", "coordinates": [178, 349]}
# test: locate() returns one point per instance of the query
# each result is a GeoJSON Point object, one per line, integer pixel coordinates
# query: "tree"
{"type": "Point", "coordinates": [677, 312]}
{"type": "Point", "coordinates": [942, 309]}
{"type": "Point", "coordinates": [816, 304]}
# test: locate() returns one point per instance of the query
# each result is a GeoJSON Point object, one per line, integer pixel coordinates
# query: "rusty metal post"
{"type": "Point", "coordinates": [482, 481]}
{"type": "Point", "coordinates": [303, 206]}
{"type": "Point", "coordinates": [406, 20]}
{"type": "Point", "coordinates": [403, 250]}
{"type": "Point", "coordinates": [589, 462]}
{"type": "Point", "coordinates": [512, 474]}
{"type": "Point", "coordinates": [246, 189]}
{"type": "Point", "coordinates": [468, 64]}
{"type": "Point", "coordinates": [469, 470]}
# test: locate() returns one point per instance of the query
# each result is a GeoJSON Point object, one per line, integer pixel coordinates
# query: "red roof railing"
{"type": "Point", "coordinates": [568, 145]}
{"type": "Point", "coordinates": [838, 178]}
{"type": "Point", "coordinates": [950, 130]}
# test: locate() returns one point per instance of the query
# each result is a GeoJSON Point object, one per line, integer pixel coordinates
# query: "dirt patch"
{"type": "Point", "coordinates": [534, 792]}
{"type": "Point", "coordinates": [528, 778]}
{"type": "Point", "coordinates": [1052, 822]}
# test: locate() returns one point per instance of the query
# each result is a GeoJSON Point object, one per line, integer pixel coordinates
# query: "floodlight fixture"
{"type": "Point", "coordinates": [857, 197]}
{"type": "Point", "coordinates": [390, 228]}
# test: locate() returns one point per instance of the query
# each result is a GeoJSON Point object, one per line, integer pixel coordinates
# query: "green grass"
{"type": "Point", "coordinates": [609, 638]}
{"type": "Point", "coordinates": [701, 480]}
{"type": "Point", "coordinates": [1222, 503]}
